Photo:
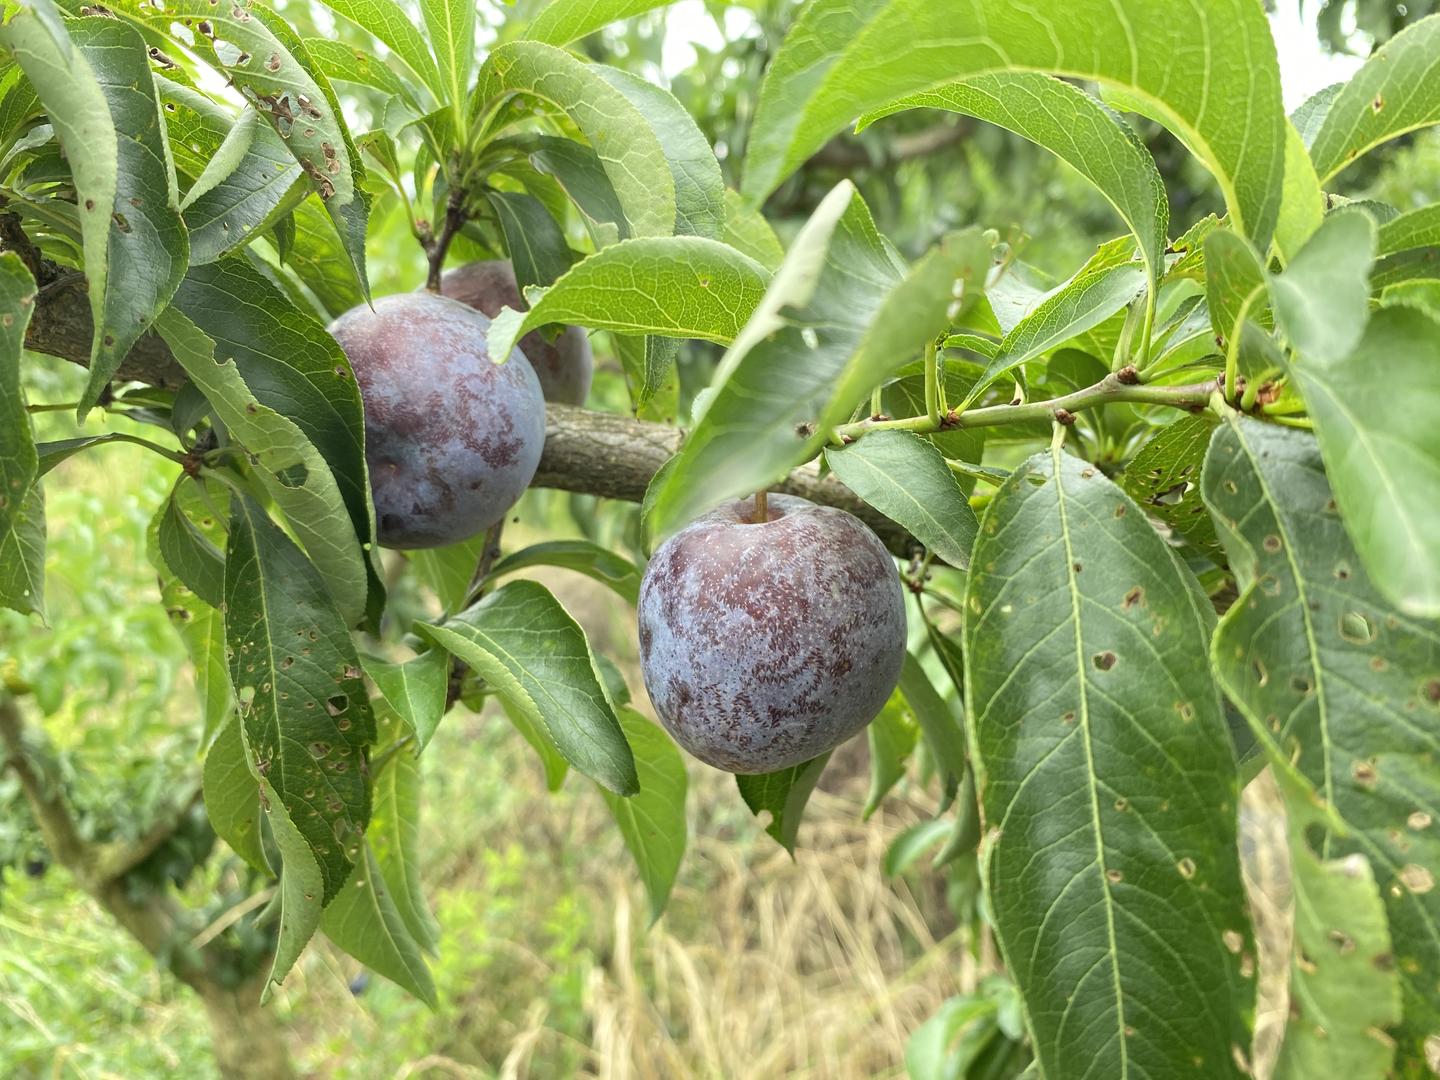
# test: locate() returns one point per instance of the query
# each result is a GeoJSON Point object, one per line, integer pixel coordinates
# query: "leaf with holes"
{"type": "Point", "coordinates": [1164, 478]}
{"type": "Point", "coordinates": [1107, 781]}
{"type": "Point", "coordinates": [1339, 681]}
{"type": "Point", "coordinates": [1344, 991]}
{"type": "Point", "coordinates": [652, 821]}
{"type": "Point", "coordinates": [292, 470]}
{"type": "Point", "coordinates": [1395, 92]}
{"type": "Point", "coordinates": [534, 655]}
{"type": "Point", "coordinates": [782, 795]}
{"type": "Point", "coordinates": [78, 109]}
{"type": "Point", "coordinates": [306, 715]}
{"type": "Point", "coordinates": [227, 211]}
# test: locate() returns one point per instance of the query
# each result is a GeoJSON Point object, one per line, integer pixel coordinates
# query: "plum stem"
{"type": "Point", "coordinates": [762, 507]}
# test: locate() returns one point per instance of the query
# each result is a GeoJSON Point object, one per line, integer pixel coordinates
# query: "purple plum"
{"type": "Point", "coordinates": [452, 440]}
{"type": "Point", "coordinates": [564, 365]}
{"type": "Point", "coordinates": [765, 644]}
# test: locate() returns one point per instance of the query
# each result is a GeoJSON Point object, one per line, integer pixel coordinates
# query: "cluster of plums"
{"type": "Point", "coordinates": [763, 642]}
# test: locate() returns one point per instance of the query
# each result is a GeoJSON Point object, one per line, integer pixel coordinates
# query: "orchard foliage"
{"type": "Point", "coordinates": [1238, 418]}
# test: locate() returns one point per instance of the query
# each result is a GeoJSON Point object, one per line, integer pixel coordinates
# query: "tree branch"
{"type": "Point", "coordinates": [51, 812]}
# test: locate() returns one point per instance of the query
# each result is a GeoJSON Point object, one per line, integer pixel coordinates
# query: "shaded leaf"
{"type": "Point", "coordinates": [232, 795]}
{"type": "Point", "coordinates": [364, 921]}
{"type": "Point", "coordinates": [652, 821]}
{"type": "Point", "coordinates": [907, 480]}
{"type": "Point", "coordinates": [414, 689]}
{"type": "Point", "coordinates": [1164, 478]}
{"type": "Point", "coordinates": [532, 653]}
{"type": "Point", "coordinates": [590, 559]}
{"type": "Point", "coordinates": [782, 795]}
{"type": "Point", "coordinates": [394, 838]}
{"type": "Point", "coordinates": [892, 736]}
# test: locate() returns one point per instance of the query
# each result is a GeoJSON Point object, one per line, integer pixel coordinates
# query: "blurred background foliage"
{"type": "Point", "coordinates": [763, 966]}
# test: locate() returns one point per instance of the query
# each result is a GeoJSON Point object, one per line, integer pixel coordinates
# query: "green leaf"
{"type": "Point", "coordinates": [22, 506]}
{"type": "Point", "coordinates": [1344, 991]}
{"type": "Point", "coordinates": [1302, 206]}
{"type": "Point", "coordinates": [579, 171]}
{"type": "Point", "coordinates": [907, 480]}
{"type": "Point", "coordinates": [227, 156]}
{"type": "Point", "coordinates": [747, 231]}
{"type": "Point", "coordinates": [80, 113]}
{"type": "Point", "coordinates": [1382, 452]}
{"type": "Point", "coordinates": [1164, 478]}
{"type": "Point", "coordinates": [837, 320]}
{"type": "Point", "coordinates": [232, 795]}
{"type": "Point", "coordinates": [562, 22]}
{"type": "Point", "coordinates": [1080, 305]}
{"type": "Point", "coordinates": [699, 187]}
{"type": "Point", "coordinates": [190, 555]}
{"type": "Point", "coordinates": [19, 462]}
{"type": "Point", "coordinates": [652, 821]}
{"type": "Point", "coordinates": [148, 248]}
{"type": "Point", "coordinates": [318, 259]}
{"type": "Point", "coordinates": [1338, 681]}
{"type": "Point", "coordinates": [1220, 94]}
{"type": "Point", "coordinates": [1107, 780]}
{"type": "Point", "coordinates": [364, 921]}
{"type": "Point", "coordinates": [943, 730]}
{"type": "Point", "coordinates": [535, 243]}
{"type": "Point", "coordinates": [551, 760]}
{"type": "Point", "coordinates": [907, 848]}
{"type": "Point", "coordinates": [590, 559]}
{"type": "Point", "coordinates": [393, 25]}
{"type": "Point", "coordinates": [1323, 298]}
{"type": "Point", "coordinates": [394, 838]}
{"type": "Point", "coordinates": [1235, 284]}
{"type": "Point", "coordinates": [892, 736]}
{"type": "Point", "coordinates": [227, 211]}
{"type": "Point", "coordinates": [306, 715]}
{"type": "Point", "coordinates": [451, 26]}
{"type": "Point", "coordinates": [679, 286]}
{"type": "Point", "coordinates": [200, 626]}
{"type": "Point", "coordinates": [783, 796]}
{"type": "Point", "coordinates": [22, 556]}
{"type": "Point", "coordinates": [534, 655]}
{"type": "Point", "coordinates": [1416, 229]}
{"type": "Point", "coordinates": [1395, 92]}
{"type": "Point", "coordinates": [619, 133]}
{"type": "Point", "coordinates": [414, 689]}
{"type": "Point", "coordinates": [289, 363]}
{"type": "Point", "coordinates": [292, 470]}
{"type": "Point", "coordinates": [340, 62]}
{"type": "Point", "coordinates": [1071, 124]}
{"type": "Point", "coordinates": [302, 884]}
{"type": "Point", "coordinates": [449, 570]}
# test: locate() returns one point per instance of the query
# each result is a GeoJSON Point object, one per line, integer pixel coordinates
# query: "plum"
{"type": "Point", "coordinates": [563, 365]}
{"type": "Point", "coordinates": [452, 439]}
{"type": "Point", "coordinates": [765, 644]}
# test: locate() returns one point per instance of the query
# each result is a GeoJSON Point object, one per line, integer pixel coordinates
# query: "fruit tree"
{"type": "Point", "coordinates": [1087, 554]}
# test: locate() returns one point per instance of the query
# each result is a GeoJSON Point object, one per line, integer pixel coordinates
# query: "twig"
{"type": "Point", "coordinates": [1117, 386]}
{"type": "Point", "coordinates": [437, 248]}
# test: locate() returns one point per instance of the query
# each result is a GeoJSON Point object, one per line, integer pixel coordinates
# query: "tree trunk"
{"type": "Point", "coordinates": [248, 1040]}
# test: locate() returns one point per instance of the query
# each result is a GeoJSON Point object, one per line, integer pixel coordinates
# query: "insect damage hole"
{"type": "Point", "coordinates": [1356, 628]}
{"type": "Point", "coordinates": [1104, 661]}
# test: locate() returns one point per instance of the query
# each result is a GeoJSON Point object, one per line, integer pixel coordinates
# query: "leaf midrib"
{"type": "Point", "coordinates": [1057, 478]}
